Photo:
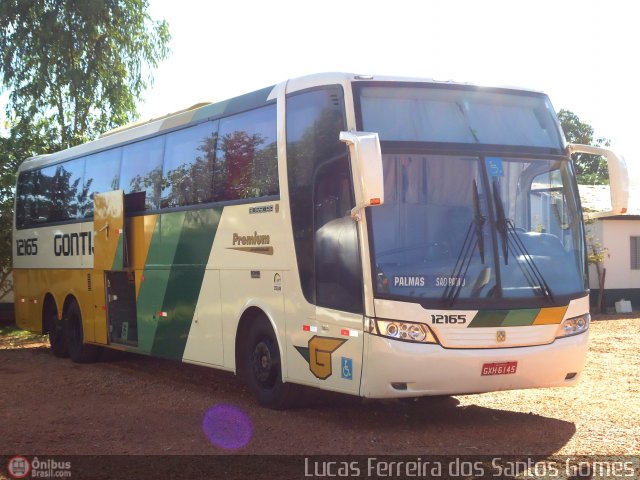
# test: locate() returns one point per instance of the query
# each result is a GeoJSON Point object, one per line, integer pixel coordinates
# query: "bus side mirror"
{"type": "Point", "coordinates": [618, 177]}
{"type": "Point", "coordinates": [366, 167]}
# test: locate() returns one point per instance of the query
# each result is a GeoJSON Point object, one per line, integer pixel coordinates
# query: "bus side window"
{"type": "Point", "coordinates": [141, 171]}
{"type": "Point", "coordinates": [189, 159]}
{"type": "Point", "coordinates": [102, 174]}
{"type": "Point", "coordinates": [317, 169]}
{"type": "Point", "coordinates": [337, 260]}
{"type": "Point", "coordinates": [63, 190]}
{"type": "Point", "coordinates": [25, 198]}
{"type": "Point", "coordinates": [548, 209]}
{"type": "Point", "coordinates": [247, 160]}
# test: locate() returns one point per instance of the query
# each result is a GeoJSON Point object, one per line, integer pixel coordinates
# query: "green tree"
{"type": "Point", "coordinates": [5, 248]}
{"type": "Point", "coordinates": [590, 169]}
{"type": "Point", "coordinates": [73, 69]}
{"type": "Point", "coordinates": [83, 64]}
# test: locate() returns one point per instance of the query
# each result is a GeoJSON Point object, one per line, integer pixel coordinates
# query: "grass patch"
{"type": "Point", "coordinates": [14, 335]}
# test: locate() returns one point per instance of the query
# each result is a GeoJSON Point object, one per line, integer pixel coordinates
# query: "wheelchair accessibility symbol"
{"type": "Point", "coordinates": [347, 368]}
{"type": "Point", "coordinates": [494, 166]}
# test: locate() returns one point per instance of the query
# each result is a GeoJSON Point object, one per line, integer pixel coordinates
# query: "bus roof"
{"type": "Point", "coordinates": [203, 111]}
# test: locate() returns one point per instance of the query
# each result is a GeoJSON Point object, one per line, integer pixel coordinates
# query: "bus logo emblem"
{"type": "Point", "coordinates": [501, 336]}
{"type": "Point", "coordinates": [318, 354]}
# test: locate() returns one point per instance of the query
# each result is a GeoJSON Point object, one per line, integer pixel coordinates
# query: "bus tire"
{"type": "Point", "coordinates": [56, 332]}
{"type": "Point", "coordinates": [79, 351]}
{"type": "Point", "coordinates": [263, 367]}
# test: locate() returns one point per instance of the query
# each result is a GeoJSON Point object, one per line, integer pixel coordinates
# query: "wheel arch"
{"type": "Point", "coordinates": [251, 314]}
{"type": "Point", "coordinates": [49, 303]}
{"type": "Point", "coordinates": [68, 300]}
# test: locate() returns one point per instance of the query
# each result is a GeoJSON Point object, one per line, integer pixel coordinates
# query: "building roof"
{"type": "Point", "coordinates": [597, 198]}
{"type": "Point", "coordinates": [621, 217]}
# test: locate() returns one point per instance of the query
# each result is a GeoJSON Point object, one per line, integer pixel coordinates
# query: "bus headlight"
{"type": "Point", "coordinates": [574, 326]}
{"type": "Point", "coordinates": [407, 331]}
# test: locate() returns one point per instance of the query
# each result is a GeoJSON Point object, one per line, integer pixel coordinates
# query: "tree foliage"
{"type": "Point", "coordinates": [81, 63]}
{"type": "Point", "coordinates": [73, 69]}
{"type": "Point", "coordinates": [6, 210]}
{"type": "Point", "coordinates": [590, 169]}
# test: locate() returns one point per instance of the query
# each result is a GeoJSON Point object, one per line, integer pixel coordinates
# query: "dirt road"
{"type": "Point", "coordinates": [131, 404]}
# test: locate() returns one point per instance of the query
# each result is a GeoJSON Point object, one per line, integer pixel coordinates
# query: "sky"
{"type": "Point", "coordinates": [583, 54]}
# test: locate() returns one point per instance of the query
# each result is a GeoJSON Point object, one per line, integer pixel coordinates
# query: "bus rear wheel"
{"type": "Point", "coordinates": [56, 333]}
{"type": "Point", "coordinates": [263, 368]}
{"type": "Point", "coordinates": [79, 351]}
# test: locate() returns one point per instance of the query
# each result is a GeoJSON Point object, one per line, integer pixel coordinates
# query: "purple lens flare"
{"type": "Point", "coordinates": [227, 427]}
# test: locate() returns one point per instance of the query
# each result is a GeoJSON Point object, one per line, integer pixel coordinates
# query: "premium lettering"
{"type": "Point", "coordinates": [254, 239]}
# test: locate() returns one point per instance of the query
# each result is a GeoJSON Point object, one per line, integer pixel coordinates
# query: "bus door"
{"type": "Point", "coordinates": [111, 267]}
{"type": "Point", "coordinates": [335, 351]}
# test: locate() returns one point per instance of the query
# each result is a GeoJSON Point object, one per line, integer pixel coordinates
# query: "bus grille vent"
{"type": "Point", "coordinates": [88, 281]}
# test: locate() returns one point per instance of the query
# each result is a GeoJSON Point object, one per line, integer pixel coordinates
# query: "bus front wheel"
{"type": "Point", "coordinates": [263, 368]}
{"type": "Point", "coordinates": [79, 351]}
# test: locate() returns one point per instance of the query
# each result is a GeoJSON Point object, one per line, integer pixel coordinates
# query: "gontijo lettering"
{"type": "Point", "coordinates": [71, 244]}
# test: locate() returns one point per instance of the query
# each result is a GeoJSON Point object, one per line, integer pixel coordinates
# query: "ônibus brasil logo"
{"type": "Point", "coordinates": [19, 467]}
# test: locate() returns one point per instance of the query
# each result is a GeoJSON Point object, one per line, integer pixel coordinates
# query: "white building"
{"type": "Point", "coordinates": [620, 236]}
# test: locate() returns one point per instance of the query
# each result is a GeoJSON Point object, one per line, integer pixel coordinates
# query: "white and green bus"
{"type": "Point", "coordinates": [381, 237]}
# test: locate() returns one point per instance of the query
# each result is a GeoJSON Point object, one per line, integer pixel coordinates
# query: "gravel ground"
{"type": "Point", "coordinates": [129, 404]}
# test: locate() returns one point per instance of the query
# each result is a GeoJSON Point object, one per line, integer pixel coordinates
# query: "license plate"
{"type": "Point", "coordinates": [502, 368]}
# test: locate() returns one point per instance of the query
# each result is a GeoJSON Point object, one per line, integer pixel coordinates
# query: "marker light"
{"type": "Point", "coordinates": [574, 326]}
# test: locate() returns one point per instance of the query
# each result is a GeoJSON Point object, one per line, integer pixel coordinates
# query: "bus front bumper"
{"type": "Point", "coordinates": [395, 369]}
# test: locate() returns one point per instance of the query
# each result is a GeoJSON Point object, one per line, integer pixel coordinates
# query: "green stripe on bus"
{"type": "Point", "coordinates": [165, 240]}
{"type": "Point", "coordinates": [504, 318]}
{"type": "Point", "coordinates": [235, 105]}
{"type": "Point", "coordinates": [153, 287]}
{"type": "Point", "coordinates": [184, 282]}
{"type": "Point", "coordinates": [214, 110]}
{"type": "Point", "coordinates": [150, 298]}
{"type": "Point", "coordinates": [118, 259]}
{"type": "Point", "coordinates": [489, 318]}
{"type": "Point", "coordinates": [520, 318]}
{"type": "Point", "coordinates": [162, 251]}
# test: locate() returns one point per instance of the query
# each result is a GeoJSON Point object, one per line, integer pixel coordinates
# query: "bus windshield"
{"type": "Point", "coordinates": [477, 227]}
{"type": "Point", "coordinates": [459, 115]}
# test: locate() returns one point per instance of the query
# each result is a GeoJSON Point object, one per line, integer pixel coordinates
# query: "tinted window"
{"type": "Point", "coordinates": [427, 114]}
{"type": "Point", "coordinates": [142, 170]}
{"type": "Point", "coordinates": [38, 202]}
{"type": "Point", "coordinates": [338, 274]}
{"type": "Point", "coordinates": [189, 163]}
{"type": "Point", "coordinates": [24, 195]}
{"type": "Point", "coordinates": [62, 191]}
{"type": "Point", "coordinates": [320, 199]}
{"type": "Point", "coordinates": [101, 175]}
{"type": "Point", "coordinates": [247, 163]}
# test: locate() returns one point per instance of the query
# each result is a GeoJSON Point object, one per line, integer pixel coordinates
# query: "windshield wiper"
{"type": "Point", "coordinates": [502, 223]}
{"type": "Point", "coordinates": [479, 220]}
{"type": "Point", "coordinates": [509, 238]}
{"type": "Point", "coordinates": [472, 240]}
